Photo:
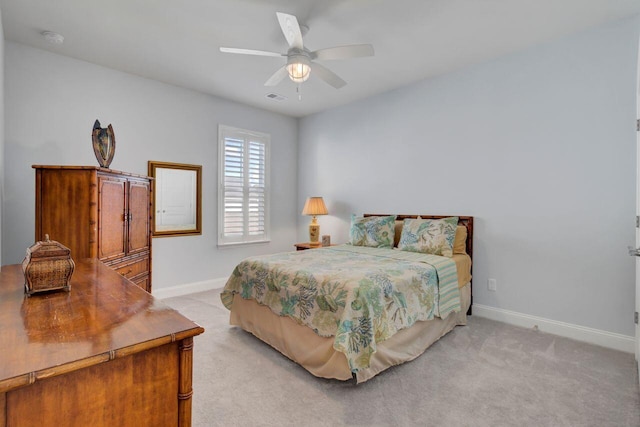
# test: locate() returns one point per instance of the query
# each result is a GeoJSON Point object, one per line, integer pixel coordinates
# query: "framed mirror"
{"type": "Point", "coordinates": [176, 199]}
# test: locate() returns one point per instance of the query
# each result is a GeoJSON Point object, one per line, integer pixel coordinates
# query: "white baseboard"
{"type": "Point", "coordinates": [581, 333]}
{"type": "Point", "coordinates": [593, 336]}
{"type": "Point", "coordinates": [189, 288]}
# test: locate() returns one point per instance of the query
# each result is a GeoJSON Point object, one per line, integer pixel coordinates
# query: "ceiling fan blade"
{"type": "Point", "coordinates": [343, 52]}
{"type": "Point", "coordinates": [327, 75]}
{"type": "Point", "coordinates": [250, 52]}
{"type": "Point", "coordinates": [277, 77]}
{"type": "Point", "coordinates": [290, 29]}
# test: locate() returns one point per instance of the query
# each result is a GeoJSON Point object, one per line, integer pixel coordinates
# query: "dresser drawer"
{"type": "Point", "coordinates": [133, 267]}
{"type": "Point", "coordinates": [143, 281]}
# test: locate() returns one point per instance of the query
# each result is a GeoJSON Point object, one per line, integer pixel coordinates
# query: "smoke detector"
{"type": "Point", "coordinates": [52, 37]}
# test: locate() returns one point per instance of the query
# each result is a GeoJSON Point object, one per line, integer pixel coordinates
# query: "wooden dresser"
{"type": "Point", "coordinates": [104, 354]}
{"type": "Point", "coordinates": [98, 213]}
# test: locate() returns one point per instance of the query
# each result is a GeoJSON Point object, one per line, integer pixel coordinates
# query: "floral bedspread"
{"type": "Point", "coordinates": [359, 295]}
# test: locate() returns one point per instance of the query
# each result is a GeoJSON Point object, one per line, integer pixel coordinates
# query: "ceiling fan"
{"type": "Point", "coordinates": [300, 61]}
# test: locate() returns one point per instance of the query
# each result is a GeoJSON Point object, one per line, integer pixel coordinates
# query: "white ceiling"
{"type": "Point", "coordinates": [177, 42]}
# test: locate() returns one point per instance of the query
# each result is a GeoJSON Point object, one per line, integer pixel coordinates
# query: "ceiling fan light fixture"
{"type": "Point", "coordinates": [299, 69]}
{"type": "Point", "coordinates": [299, 58]}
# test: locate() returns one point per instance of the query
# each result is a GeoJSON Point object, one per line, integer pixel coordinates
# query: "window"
{"type": "Point", "coordinates": [243, 197]}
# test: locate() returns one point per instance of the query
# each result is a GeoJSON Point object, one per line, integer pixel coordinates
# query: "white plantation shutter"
{"type": "Point", "coordinates": [243, 208]}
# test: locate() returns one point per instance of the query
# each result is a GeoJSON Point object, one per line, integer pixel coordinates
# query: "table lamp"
{"type": "Point", "coordinates": [314, 206]}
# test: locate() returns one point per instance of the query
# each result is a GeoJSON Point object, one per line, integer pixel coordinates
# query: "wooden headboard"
{"type": "Point", "coordinates": [467, 221]}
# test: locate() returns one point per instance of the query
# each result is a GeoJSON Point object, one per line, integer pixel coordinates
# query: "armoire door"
{"type": "Point", "coordinates": [139, 213]}
{"type": "Point", "coordinates": [112, 198]}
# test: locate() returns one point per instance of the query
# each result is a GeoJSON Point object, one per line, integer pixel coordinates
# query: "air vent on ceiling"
{"type": "Point", "coordinates": [276, 97]}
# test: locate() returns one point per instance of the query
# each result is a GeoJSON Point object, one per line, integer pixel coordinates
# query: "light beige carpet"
{"type": "Point", "coordinates": [484, 374]}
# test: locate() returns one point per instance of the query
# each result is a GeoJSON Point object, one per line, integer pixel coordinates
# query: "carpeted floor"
{"type": "Point", "coordinates": [484, 374]}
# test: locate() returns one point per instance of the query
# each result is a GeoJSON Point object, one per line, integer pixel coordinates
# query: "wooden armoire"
{"type": "Point", "coordinates": [98, 213]}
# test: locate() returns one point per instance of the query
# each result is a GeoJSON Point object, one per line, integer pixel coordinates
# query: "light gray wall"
{"type": "Point", "coordinates": [539, 146]}
{"type": "Point", "coordinates": [52, 102]}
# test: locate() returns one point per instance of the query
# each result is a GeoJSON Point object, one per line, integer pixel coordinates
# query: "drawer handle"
{"type": "Point", "coordinates": [125, 273]}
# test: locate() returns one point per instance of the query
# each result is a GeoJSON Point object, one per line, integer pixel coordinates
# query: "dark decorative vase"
{"type": "Point", "coordinates": [104, 144]}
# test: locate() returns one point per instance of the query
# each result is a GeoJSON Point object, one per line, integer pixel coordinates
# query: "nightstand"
{"type": "Point", "coordinates": [305, 246]}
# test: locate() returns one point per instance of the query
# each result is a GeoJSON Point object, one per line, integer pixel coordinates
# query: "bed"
{"type": "Point", "coordinates": [351, 311]}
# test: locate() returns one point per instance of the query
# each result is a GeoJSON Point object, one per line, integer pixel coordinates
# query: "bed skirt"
{"type": "Point", "coordinates": [317, 355]}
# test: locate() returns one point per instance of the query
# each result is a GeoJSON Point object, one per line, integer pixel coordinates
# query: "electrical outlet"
{"type": "Point", "coordinates": [491, 284]}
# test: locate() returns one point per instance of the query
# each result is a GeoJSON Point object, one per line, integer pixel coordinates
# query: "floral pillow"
{"type": "Point", "coordinates": [431, 236]}
{"type": "Point", "coordinates": [372, 231]}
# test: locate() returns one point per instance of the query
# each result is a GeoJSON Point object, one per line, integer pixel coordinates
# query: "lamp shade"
{"type": "Point", "coordinates": [314, 206]}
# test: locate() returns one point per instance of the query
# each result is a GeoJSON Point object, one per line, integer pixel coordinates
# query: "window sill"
{"type": "Point", "coordinates": [253, 242]}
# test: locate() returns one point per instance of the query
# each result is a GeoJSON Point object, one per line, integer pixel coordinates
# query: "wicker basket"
{"type": "Point", "coordinates": [47, 266]}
